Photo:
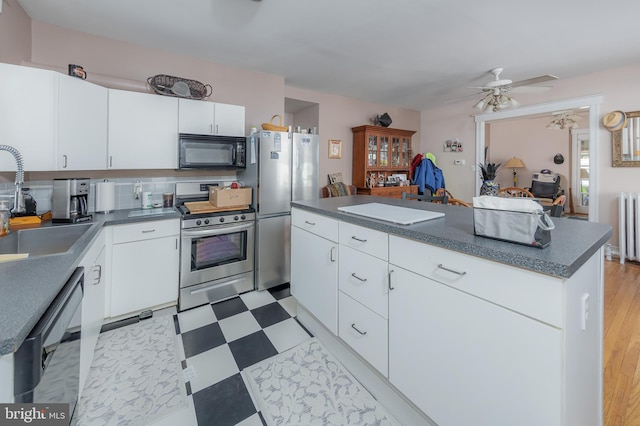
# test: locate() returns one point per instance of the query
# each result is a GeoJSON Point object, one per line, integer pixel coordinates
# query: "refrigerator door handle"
{"type": "Point", "coordinates": [297, 159]}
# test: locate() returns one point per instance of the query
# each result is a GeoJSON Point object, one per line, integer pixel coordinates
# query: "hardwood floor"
{"type": "Point", "coordinates": [621, 344]}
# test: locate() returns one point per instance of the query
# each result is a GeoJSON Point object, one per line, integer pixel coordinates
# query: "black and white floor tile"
{"type": "Point", "coordinates": [217, 341]}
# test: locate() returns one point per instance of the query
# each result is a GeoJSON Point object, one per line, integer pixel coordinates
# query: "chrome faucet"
{"type": "Point", "coordinates": [18, 201]}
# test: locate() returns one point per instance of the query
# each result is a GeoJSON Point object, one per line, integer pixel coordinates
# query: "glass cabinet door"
{"type": "Point", "coordinates": [384, 151]}
{"type": "Point", "coordinates": [372, 154]}
{"type": "Point", "coordinates": [406, 152]}
{"type": "Point", "coordinates": [396, 153]}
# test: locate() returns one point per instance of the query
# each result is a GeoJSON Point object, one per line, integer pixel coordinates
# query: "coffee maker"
{"type": "Point", "coordinates": [70, 201]}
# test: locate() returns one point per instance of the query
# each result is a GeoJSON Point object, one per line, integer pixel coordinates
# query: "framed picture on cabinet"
{"type": "Point", "coordinates": [335, 148]}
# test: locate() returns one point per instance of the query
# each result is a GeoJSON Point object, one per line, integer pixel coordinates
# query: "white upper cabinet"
{"type": "Point", "coordinates": [143, 131]}
{"type": "Point", "coordinates": [82, 132]}
{"type": "Point", "coordinates": [28, 116]}
{"type": "Point", "coordinates": [209, 118]}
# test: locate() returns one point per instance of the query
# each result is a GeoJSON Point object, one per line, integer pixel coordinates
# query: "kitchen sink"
{"type": "Point", "coordinates": [43, 241]}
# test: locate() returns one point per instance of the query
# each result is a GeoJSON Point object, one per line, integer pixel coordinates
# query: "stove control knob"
{"type": "Point", "coordinates": [198, 222]}
{"type": "Point", "coordinates": [206, 221]}
{"type": "Point", "coordinates": [222, 219]}
{"type": "Point", "coordinates": [235, 218]}
{"type": "Point", "coordinates": [243, 217]}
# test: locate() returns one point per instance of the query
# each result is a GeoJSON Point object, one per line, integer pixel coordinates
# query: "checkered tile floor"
{"type": "Point", "coordinates": [218, 341]}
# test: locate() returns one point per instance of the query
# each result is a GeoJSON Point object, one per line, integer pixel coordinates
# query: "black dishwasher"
{"type": "Point", "coordinates": [47, 364]}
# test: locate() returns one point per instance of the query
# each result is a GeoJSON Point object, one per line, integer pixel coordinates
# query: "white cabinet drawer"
{"type": "Point", "coordinates": [145, 230]}
{"type": "Point", "coordinates": [373, 242]}
{"type": "Point", "coordinates": [365, 278]}
{"type": "Point", "coordinates": [532, 294]}
{"type": "Point", "coordinates": [315, 223]}
{"type": "Point", "coordinates": [365, 331]}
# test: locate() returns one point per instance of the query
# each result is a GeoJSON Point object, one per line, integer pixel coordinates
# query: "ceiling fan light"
{"type": "Point", "coordinates": [480, 104]}
{"type": "Point", "coordinates": [514, 103]}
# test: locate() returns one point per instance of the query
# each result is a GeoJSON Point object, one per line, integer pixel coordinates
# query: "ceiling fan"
{"type": "Point", "coordinates": [498, 98]}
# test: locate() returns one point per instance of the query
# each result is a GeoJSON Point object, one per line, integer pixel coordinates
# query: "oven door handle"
{"type": "Point", "coordinates": [207, 288]}
{"type": "Point", "coordinates": [217, 231]}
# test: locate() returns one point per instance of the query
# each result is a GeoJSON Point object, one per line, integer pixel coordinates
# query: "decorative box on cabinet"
{"type": "Point", "coordinates": [378, 153]}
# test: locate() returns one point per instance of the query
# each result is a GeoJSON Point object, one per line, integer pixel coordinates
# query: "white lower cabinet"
{"type": "Point", "coordinates": [463, 360]}
{"type": "Point", "coordinates": [144, 266]}
{"type": "Point", "coordinates": [365, 331]}
{"type": "Point", "coordinates": [469, 341]}
{"type": "Point", "coordinates": [314, 275]}
{"type": "Point", "coordinates": [94, 263]}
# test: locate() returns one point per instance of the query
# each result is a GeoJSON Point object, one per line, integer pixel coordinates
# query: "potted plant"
{"type": "Point", "coordinates": [488, 175]}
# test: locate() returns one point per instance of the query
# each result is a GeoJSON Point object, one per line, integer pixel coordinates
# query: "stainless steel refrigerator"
{"type": "Point", "coordinates": [281, 167]}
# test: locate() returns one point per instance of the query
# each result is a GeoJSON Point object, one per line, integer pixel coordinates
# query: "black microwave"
{"type": "Point", "coordinates": [211, 152]}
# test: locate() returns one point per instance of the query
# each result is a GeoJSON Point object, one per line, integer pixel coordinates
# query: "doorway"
{"type": "Point", "coordinates": [593, 102]}
{"type": "Point", "coordinates": [580, 171]}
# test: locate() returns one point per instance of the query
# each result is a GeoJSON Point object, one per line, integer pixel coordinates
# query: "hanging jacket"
{"type": "Point", "coordinates": [415, 163]}
{"type": "Point", "coordinates": [428, 176]}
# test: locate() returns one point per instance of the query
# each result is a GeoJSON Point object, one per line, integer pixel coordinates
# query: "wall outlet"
{"type": "Point", "coordinates": [459, 162]}
{"type": "Point", "coordinates": [137, 189]}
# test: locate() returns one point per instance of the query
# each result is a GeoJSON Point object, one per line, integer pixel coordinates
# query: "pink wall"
{"type": "Point", "coordinates": [338, 114]}
{"type": "Point", "coordinates": [15, 33]}
{"type": "Point", "coordinates": [621, 90]}
{"type": "Point", "coordinates": [534, 144]}
{"type": "Point", "coordinates": [262, 94]}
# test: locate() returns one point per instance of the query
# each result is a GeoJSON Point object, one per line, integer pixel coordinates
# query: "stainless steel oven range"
{"type": "Point", "coordinates": [217, 249]}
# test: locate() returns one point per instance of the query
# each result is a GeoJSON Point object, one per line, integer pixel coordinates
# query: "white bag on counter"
{"type": "Point", "coordinates": [519, 220]}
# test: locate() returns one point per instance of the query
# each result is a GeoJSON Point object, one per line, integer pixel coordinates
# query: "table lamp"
{"type": "Point", "coordinates": [515, 163]}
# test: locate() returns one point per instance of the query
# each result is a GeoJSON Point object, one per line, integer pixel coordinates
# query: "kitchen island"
{"type": "Point", "coordinates": [471, 330]}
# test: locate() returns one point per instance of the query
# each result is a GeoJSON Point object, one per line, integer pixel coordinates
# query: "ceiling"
{"type": "Point", "coordinates": [416, 54]}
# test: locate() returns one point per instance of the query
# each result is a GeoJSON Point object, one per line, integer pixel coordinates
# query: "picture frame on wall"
{"type": "Point", "coordinates": [335, 148]}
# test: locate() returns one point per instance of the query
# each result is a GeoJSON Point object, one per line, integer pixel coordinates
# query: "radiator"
{"type": "Point", "coordinates": [629, 226]}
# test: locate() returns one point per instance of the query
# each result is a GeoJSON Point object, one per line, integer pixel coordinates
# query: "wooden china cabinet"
{"type": "Point", "coordinates": [378, 153]}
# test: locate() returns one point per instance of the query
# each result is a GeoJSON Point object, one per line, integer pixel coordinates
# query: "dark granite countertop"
{"type": "Point", "coordinates": [28, 286]}
{"type": "Point", "coordinates": [573, 242]}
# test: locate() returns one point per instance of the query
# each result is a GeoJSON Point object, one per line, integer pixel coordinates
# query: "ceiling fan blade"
{"type": "Point", "coordinates": [530, 89]}
{"type": "Point", "coordinates": [535, 80]}
{"type": "Point", "coordinates": [464, 98]}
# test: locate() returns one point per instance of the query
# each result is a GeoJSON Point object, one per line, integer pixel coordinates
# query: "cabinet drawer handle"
{"type": "Point", "coordinates": [65, 161]}
{"type": "Point", "coordinates": [362, 333]}
{"type": "Point", "coordinates": [211, 128]}
{"type": "Point", "coordinates": [390, 287]}
{"type": "Point", "coordinates": [358, 239]}
{"type": "Point", "coordinates": [310, 223]}
{"type": "Point", "coordinates": [99, 277]}
{"type": "Point", "coordinates": [451, 270]}
{"type": "Point", "coordinates": [358, 278]}
{"type": "Point", "coordinates": [333, 254]}
{"type": "Point", "coordinates": [148, 231]}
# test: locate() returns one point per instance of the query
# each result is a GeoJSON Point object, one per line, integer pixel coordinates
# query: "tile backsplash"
{"type": "Point", "coordinates": [42, 190]}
